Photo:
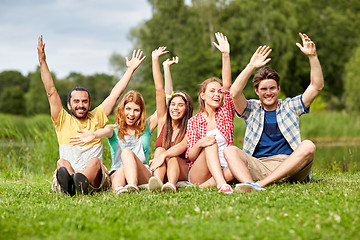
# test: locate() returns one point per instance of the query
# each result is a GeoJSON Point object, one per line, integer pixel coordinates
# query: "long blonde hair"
{"type": "Point", "coordinates": [140, 124]}
{"type": "Point", "coordinates": [203, 89]}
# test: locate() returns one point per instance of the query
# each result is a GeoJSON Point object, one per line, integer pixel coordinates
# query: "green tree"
{"type": "Point", "coordinates": [352, 82]}
{"type": "Point", "coordinates": [63, 87]}
{"type": "Point", "coordinates": [99, 85]}
{"type": "Point", "coordinates": [251, 24]}
{"type": "Point", "coordinates": [13, 78]}
{"type": "Point", "coordinates": [12, 100]}
{"type": "Point", "coordinates": [188, 30]}
{"type": "Point", "coordinates": [176, 26]}
{"type": "Point", "coordinates": [333, 25]}
{"type": "Point", "coordinates": [36, 99]}
{"type": "Point", "coordinates": [13, 87]}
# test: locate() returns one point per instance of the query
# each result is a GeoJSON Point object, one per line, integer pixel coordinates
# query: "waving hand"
{"type": "Point", "coordinates": [308, 47]}
{"type": "Point", "coordinates": [223, 44]}
{"type": "Point", "coordinates": [259, 58]}
{"type": "Point", "coordinates": [135, 60]}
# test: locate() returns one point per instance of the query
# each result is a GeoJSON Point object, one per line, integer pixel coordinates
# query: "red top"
{"type": "Point", "coordinates": [159, 141]}
{"type": "Point", "coordinates": [224, 118]}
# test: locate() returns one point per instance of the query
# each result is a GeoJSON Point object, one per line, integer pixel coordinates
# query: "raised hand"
{"type": "Point", "coordinates": [259, 58]}
{"type": "Point", "coordinates": [223, 44]}
{"type": "Point", "coordinates": [168, 62]}
{"type": "Point", "coordinates": [308, 47]}
{"type": "Point", "coordinates": [158, 52]}
{"type": "Point", "coordinates": [86, 137]}
{"type": "Point", "coordinates": [41, 49]}
{"type": "Point", "coordinates": [135, 60]}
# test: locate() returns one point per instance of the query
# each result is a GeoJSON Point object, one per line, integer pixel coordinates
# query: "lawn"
{"type": "Point", "coordinates": [327, 208]}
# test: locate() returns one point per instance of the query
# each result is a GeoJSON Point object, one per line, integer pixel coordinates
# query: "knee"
{"type": "Point", "coordinates": [309, 147]}
{"type": "Point", "coordinates": [229, 150]}
{"type": "Point", "coordinates": [95, 162]}
{"type": "Point", "coordinates": [126, 153]}
{"type": "Point", "coordinates": [62, 163]}
{"type": "Point", "coordinates": [172, 160]}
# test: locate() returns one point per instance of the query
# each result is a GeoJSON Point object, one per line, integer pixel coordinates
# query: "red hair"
{"type": "Point", "coordinates": [140, 124]}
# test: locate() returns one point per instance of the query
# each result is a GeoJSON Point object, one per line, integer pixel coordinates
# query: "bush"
{"type": "Point", "coordinates": [352, 82]}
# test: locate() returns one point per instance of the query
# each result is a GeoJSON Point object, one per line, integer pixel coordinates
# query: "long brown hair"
{"type": "Point", "coordinates": [140, 124]}
{"type": "Point", "coordinates": [168, 128]}
{"type": "Point", "coordinates": [203, 89]}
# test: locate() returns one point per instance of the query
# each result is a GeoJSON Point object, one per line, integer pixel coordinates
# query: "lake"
{"type": "Point", "coordinates": [336, 157]}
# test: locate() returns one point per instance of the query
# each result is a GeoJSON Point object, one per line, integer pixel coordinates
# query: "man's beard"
{"type": "Point", "coordinates": [74, 113]}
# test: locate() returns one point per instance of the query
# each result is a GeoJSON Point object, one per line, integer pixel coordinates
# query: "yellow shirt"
{"type": "Point", "coordinates": [67, 126]}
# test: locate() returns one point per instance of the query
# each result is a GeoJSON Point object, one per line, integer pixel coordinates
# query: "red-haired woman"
{"type": "Point", "coordinates": [129, 141]}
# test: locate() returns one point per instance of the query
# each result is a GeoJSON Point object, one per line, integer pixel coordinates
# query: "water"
{"type": "Point", "coordinates": [337, 157]}
{"type": "Point", "coordinates": [334, 157]}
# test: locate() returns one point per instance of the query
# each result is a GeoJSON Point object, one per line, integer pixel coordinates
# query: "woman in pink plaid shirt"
{"type": "Point", "coordinates": [211, 130]}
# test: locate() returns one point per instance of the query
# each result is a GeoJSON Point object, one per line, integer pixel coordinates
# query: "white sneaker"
{"type": "Point", "coordinates": [168, 187]}
{"type": "Point", "coordinates": [248, 187]}
{"type": "Point", "coordinates": [155, 184]}
{"type": "Point", "coordinates": [120, 190]}
{"type": "Point", "coordinates": [131, 188]}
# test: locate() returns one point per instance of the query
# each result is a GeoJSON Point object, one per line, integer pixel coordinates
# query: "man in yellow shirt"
{"type": "Point", "coordinates": [79, 168]}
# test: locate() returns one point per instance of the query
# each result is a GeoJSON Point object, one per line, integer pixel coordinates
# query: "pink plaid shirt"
{"type": "Point", "coordinates": [224, 118]}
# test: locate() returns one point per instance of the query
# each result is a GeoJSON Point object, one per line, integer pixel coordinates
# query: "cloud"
{"type": "Point", "coordinates": [80, 35]}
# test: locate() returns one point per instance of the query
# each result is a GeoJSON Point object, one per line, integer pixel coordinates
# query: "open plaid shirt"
{"type": "Point", "coordinates": [224, 118]}
{"type": "Point", "coordinates": [288, 114]}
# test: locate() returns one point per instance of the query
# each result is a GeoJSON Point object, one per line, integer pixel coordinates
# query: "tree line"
{"type": "Point", "coordinates": [25, 95]}
{"type": "Point", "coordinates": [188, 30]}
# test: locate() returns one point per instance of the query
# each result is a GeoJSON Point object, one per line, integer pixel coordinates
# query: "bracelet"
{"type": "Point", "coordinates": [50, 93]}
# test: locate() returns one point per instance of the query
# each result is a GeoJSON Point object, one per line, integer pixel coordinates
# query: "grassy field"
{"type": "Point", "coordinates": [327, 208]}
{"type": "Point", "coordinates": [29, 143]}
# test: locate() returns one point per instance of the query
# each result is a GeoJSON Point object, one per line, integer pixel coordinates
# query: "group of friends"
{"type": "Point", "coordinates": [196, 149]}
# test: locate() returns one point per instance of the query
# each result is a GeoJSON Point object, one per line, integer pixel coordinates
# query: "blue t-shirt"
{"type": "Point", "coordinates": [272, 142]}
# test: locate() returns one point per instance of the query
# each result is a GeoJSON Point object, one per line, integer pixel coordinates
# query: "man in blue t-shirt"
{"type": "Point", "coordinates": [272, 148]}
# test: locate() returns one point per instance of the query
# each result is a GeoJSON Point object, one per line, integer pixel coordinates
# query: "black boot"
{"type": "Point", "coordinates": [81, 183]}
{"type": "Point", "coordinates": [66, 181]}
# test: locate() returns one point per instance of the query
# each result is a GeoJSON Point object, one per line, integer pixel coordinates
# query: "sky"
{"type": "Point", "coordinates": [79, 35]}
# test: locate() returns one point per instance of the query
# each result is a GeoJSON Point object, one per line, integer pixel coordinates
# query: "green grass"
{"type": "Point", "coordinates": [323, 125]}
{"type": "Point", "coordinates": [330, 125]}
{"type": "Point", "coordinates": [325, 209]}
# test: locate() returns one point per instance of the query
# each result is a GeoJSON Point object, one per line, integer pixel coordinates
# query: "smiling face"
{"type": "Point", "coordinates": [177, 108]}
{"type": "Point", "coordinates": [213, 95]}
{"type": "Point", "coordinates": [268, 92]}
{"type": "Point", "coordinates": [79, 104]}
{"type": "Point", "coordinates": [132, 112]}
